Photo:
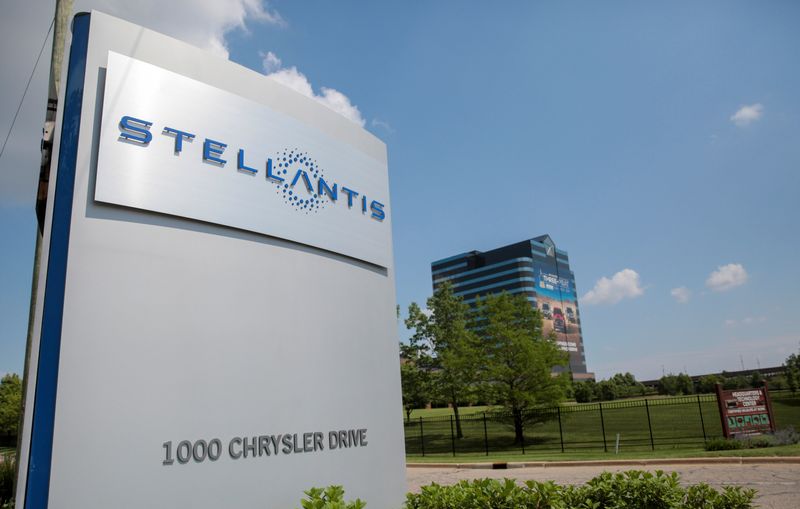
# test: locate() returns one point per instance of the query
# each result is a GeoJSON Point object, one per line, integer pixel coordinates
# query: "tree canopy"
{"type": "Point", "coordinates": [517, 361]}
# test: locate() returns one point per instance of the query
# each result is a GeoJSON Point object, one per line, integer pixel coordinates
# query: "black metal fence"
{"type": "Point", "coordinates": [632, 425]}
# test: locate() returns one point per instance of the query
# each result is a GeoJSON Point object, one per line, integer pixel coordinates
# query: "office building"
{"type": "Point", "coordinates": [534, 268]}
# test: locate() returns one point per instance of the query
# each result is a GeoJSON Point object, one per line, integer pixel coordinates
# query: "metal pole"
{"type": "Point", "coordinates": [702, 422]}
{"type": "Point", "coordinates": [603, 427]}
{"type": "Point", "coordinates": [649, 425]}
{"type": "Point", "coordinates": [485, 435]}
{"type": "Point", "coordinates": [560, 430]}
{"type": "Point", "coordinates": [421, 438]}
{"type": "Point", "coordinates": [452, 436]}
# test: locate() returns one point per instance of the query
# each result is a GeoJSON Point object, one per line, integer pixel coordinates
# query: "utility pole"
{"type": "Point", "coordinates": [62, 16]}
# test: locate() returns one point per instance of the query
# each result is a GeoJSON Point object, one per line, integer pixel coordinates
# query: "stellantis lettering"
{"type": "Point", "coordinates": [137, 131]}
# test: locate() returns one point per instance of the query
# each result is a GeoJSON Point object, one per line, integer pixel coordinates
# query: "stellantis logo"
{"type": "Point", "coordinates": [296, 177]}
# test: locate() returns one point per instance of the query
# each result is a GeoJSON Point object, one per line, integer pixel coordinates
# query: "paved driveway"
{"type": "Point", "coordinates": [778, 484]}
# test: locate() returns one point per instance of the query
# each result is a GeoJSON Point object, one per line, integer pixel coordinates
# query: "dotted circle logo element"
{"type": "Point", "coordinates": [295, 186]}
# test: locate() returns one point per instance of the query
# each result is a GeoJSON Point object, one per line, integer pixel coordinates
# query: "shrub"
{"type": "Point", "coordinates": [628, 490]}
{"type": "Point", "coordinates": [723, 444]}
{"type": "Point", "coordinates": [7, 471]}
{"type": "Point", "coordinates": [331, 497]}
{"type": "Point", "coordinates": [786, 436]}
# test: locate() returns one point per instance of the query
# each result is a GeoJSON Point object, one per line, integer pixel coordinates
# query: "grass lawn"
{"type": "Point", "coordinates": [440, 412]}
{"type": "Point", "coordinates": [786, 450]}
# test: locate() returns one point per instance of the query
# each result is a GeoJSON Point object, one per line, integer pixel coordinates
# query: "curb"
{"type": "Point", "coordinates": [730, 460]}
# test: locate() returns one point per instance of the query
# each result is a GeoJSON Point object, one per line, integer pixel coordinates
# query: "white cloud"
{"type": "Point", "coordinates": [747, 114]}
{"type": "Point", "coordinates": [270, 62]}
{"type": "Point", "coordinates": [298, 81]}
{"type": "Point", "coordinates": [376, 122]}
{"type": "Point", "coordinates": [748, 320]}
{"type": "Point", "coordinates": [624, 284]}
{"type": "Point", "coordinates": [203, 24]}
{"type": "Point", "coordinates": [727, 277]}
{"type": "Point", "coordinates": [681, 294]}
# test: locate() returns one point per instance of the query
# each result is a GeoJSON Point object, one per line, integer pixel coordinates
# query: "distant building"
{"type": "Point", "coordinates": [534, 268]}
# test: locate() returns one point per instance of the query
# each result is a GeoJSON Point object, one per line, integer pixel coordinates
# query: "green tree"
{"type": "Point", "coordinates": [668, 385]}
{"type": "Point", "coordinates": [446, 346]}
{"type": "Point", "coordinates": [584, 391]}
{"type": "Point", "coordinates": [608, 390]}
{"type": "Point", "coordinates": [792, 372]}
{"type": "Point", "coordinates": [10, 404]}
{"type": "Point", "coordinates": [685, 384]}
{"type": "Point", "coordinates": [518, 360]}
{"type": "Point", "coordinates": [415, 379]}
{"type": "Point", "coordinates": [709, 383]}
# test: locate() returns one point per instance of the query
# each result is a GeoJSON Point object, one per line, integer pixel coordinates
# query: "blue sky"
{"type": "Point", "coordinates": [657, 142]}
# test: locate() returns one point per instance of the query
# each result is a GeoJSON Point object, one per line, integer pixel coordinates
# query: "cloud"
{"type": "Point", "coordinates": [681, 294]}
{"type": "Point", "coordinates": [748, 320]}
{"type": "Point", "coordinates": [727, 277]}
{"type": "Point", "coordinates": [270, 62]}
{"type": "Point", "coordinates": [376, 122]}
{"type": "Point", "coordinates": [294, 79]}
{"type": "Point", "coordinates": [624, 284]}
{"type": "Point", "coordinates": [747, 114]}
{"type": "Point", "coordinates": [203, 24]}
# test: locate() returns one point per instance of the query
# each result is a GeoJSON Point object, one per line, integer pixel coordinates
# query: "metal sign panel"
{"type": "Point", "coordinates": [201, 339]}
{"type": "Point", "coordinates": [172, 144]}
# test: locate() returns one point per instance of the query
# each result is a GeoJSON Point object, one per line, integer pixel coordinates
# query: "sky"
{"type": "Point", "coordinates": [658, 143]}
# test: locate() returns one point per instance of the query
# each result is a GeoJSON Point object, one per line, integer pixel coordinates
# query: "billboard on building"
{"type": "Point", "coordinates": [558, 302]}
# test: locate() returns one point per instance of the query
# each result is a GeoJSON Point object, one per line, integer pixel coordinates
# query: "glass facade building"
{"type": "Point", "coordinates": [535, 268]}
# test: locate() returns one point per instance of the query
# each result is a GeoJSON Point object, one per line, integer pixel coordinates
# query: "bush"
{"type": "Point", "coordinates": [723, 444]}
{"type": "Point", "coordinates": [7, 471]}
{"type": "Point", "coordinates": [786, 436]}
{"type": "Point", "coordinates": [331, 497]}
{"type": "Point", "coordinates": [633, 489]}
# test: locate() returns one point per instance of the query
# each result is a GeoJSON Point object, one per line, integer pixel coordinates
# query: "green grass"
{"type": "Point", "coordinates": [694, 452]}
{"type": "Point", "coordinates": [676, 424]}
{"type": "Point", "coordinates": [440, 412]}
{"type": "Point", "coordinates": [7, 450]}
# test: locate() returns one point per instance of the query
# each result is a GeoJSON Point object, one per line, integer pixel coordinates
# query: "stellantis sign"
{"type": "Point", "coordinates": [301, 165]}
{"type": "Point", "coordinates": [172, 144]}
{"type": "Point", "coordinates": [215, 321]}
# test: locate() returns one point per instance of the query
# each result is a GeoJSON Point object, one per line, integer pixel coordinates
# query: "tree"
{"type": "Point", "coordinates": [685, 384]}
{"type": "Point", "coordinates": [415, 380]}
{"type": "Point", "coordinates": [584, 391]}
{"type": "Point", "coordinates": [608, 390]}
{"type": "Point", "coordinates": [446, 346]}
{"type": "Point", "coordinates": [518, 360]}
{"type": "Point", "coordinates": [10, 404]}
{"type": "Point", "coordinates": [792, 372]}
{"type": "Point", "coordinates": [709, 383]}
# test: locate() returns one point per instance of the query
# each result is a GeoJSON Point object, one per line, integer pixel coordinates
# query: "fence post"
{"type": "Point", "coordinates": [702, 422]}
{"type": "Point", "coordinates": [560, 430]}
{"type": "Point", "coordinates": [649, 425]}
{"type": "Point", "coordinates": [485, 435]}
{"type": "Point", "coordinates": [603, 427]}
{"type": "Point", "coordinates": [452, 436]}
{"type": "Point", "coordinates": [421, 438]}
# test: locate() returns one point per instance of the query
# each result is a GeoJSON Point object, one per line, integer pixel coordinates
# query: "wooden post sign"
{"type": "Point", "coordinates": [745, 411]}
